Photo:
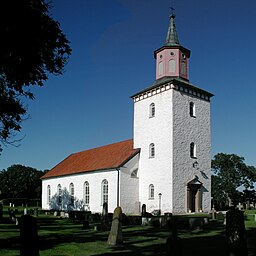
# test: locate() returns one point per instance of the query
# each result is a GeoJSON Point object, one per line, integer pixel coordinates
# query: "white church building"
{"type": "Point", "coordinates": [166, 166]}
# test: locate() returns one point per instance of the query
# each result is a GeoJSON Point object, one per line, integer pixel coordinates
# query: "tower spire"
{"type": "Point", "coordinates": [172, 35]}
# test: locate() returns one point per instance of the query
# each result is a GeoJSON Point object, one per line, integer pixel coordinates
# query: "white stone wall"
{"type": "Point", "coordinates": [172, 130]}
{"type": "Point", "coordinates": [157, 130]}
{"type": "Point", "coordinates": [187, 129]}
{"type": "Point", "coordinates": [129, 188]}
{"type": "Point", "coordinates": [95, 179]}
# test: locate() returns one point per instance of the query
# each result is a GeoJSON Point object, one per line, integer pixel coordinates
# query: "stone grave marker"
{"type": "Point", "coordinates": [12, 216]}
{"type": "Point", "coordinates": [36, 212]}
{"type": "Point", "coordinates": [29, 245]}
{"type": "Point", "coordinates": [235, 233]}
{"type": "Point", "coordinates": [115, 236]}
{"type": "Point", "coordinates": [213, 213]}
{"type": "Point", "coordinates": [104, 217]}
{"type": "Point", "coordinates": [143, 210]}
{"type": "Point", "coordinates": [173, 242]}
{"type": "Point", "coordinates": [144, 218]}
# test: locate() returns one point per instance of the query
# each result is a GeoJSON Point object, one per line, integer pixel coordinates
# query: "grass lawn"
{"type": "Point", "coordinates": [64, 237]}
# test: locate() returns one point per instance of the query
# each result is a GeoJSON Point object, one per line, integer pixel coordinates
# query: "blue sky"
{"type": "Point", "coordinates": [113, 43]}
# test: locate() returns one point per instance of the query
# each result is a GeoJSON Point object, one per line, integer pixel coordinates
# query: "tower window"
{"type": "Point", "coordinates": [183, 68]}
{"type": "Point", "coordinates": [151, 191]}
{"type": "Point", "coordinates": [152, 150]}
{"type": "Point", "coordinates": [152, 110]}
{"type": "Point", "coordinates": [192, 111]}
{"type": "Point", "coordinates": [172, 67]}
{"type": "Point", "coordinates": [160, 68]}
{"type": "Point", "coordinates": [192, 150]}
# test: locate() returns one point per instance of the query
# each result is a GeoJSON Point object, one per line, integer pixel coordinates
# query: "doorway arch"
{"type": "Point", "coordinates": [194, 195]}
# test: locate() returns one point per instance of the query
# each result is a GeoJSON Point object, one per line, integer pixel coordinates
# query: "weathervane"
{"type": "Point", "coordinates": [172, 9]}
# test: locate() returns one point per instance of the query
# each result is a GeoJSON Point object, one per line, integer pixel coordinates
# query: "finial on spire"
{"type": "Point", "coordinates": [172, 11]}
{"type": "Point", "coordinates": [172, 36]}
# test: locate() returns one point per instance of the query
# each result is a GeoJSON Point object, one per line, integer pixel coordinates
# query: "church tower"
{"type": "Point", "coordinates": [172, 130]}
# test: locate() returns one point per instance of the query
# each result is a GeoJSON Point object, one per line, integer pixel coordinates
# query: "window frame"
{"type": "Point", "coordinates": [152, 151]}
{"type": "Point", "coordinates": [152, 110]}
{"type": "Point", "coordinates": [86, 193]}
{"type": "Point", "coordinates": [151, 191]}
{"type": "Point", "coordinates": [193, 150]}
{"type": "Point", "coordinates": [59, 192]}
{"type": "Point", "coordinates": [192, 109]}
{"type": "Point", "coordinates": [104, 191]}
{"type": "Point", "coordinates": [48, 194]}
{"type": "Point", "coordinates": [72, 193]}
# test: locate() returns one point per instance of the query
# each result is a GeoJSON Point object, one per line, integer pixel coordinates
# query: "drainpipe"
{"type": "Point", "coordinates": [117, 189]}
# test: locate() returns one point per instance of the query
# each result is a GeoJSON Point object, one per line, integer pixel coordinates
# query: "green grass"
{"type": "Point", "coordinates": [64, 237]}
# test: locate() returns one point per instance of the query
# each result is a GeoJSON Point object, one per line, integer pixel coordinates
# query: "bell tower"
{"type": "Point", "coordinates": [172, 130]}
{"type": "Point", "coordinates": [172, 58]}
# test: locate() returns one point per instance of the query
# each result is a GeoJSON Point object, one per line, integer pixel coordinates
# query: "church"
{"type": "Point", "coordinates": [166, 166]}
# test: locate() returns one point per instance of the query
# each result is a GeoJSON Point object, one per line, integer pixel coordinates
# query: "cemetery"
{"type": "Point", "coordinates": [32, 231]}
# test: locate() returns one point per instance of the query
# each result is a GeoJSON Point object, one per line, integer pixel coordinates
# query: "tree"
{"type": "Point", "coordinates": [32, 46]}
{"type": "Point", "coordinates": [67, 203]}
{"type": "Point", "coordinates": [230, 173]}
{"type": "Point", "coordinates": [20, 181]}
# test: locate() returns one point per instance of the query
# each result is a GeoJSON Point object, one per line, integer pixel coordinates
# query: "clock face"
{"type": "Point", "coordinates": [184, 56]}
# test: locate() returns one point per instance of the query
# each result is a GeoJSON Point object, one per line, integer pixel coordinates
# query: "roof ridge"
{"type": "Point", "coordinates": [98, 147]}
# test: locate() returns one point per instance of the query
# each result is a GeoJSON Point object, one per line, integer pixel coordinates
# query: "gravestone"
{"type": "Point", "coordinates": [213, 213]}
{"type": "Point", "coordinates": [87, 219]}
{"type": "Point", "coordinates": [36, 212]}
{"type": "Point", "coordinates": [235, 233]}
{"type": "Point", "coordinates": [12, 215]}
{"type": "Point", "coordinates": [196, 223]}
{"type": "Point", "coordinates": [143, 210]}
{"type": "Point", "coordinates": [104, 218]}
{"type": "Point", "coordinates": [144, 218]}
{"type": "Point", "coordinates": [173, 242]}
{"type": "Point", "coordinates": [167, 220]}
{"type": "Point", "coordinates": [115, 236]}
{"type": "Point", "coordinates": [29, 245]}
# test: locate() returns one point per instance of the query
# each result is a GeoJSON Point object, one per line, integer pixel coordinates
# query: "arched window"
{"type": "Point", "coordinates": [152, 110]}
{"type": "Point", "coordinates": [192, 111]}
{"type": "Point", "coordinates": [104, 191]}
{"type": "Point", "coordinates": [172, 66]}
{"type": "Point", "coordinates": [152, 150]}
{"type": "Point", "coordinates": [59, 192]}
{"type": "Point", "coordinates": [160, 68]}
{"type": "Point", "coordinates": [192, 150]}
{"type": "Point", "coordinates": [86, 193]}
{"type": "Point", "coordinates": [183, 68]}
{"type": "Point", "coordinates": [72, 193]}
{"type": "Point", "coordinates": [151, 191]}
{"type": "Point", "coordinates": [48, 194]}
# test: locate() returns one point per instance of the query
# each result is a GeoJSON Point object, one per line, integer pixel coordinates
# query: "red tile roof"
{"type": "Point", "coordinates": [105, 157]}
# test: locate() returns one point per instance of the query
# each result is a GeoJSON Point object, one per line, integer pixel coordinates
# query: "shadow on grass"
{"type": "Point", "coordinates": [138, 240]}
